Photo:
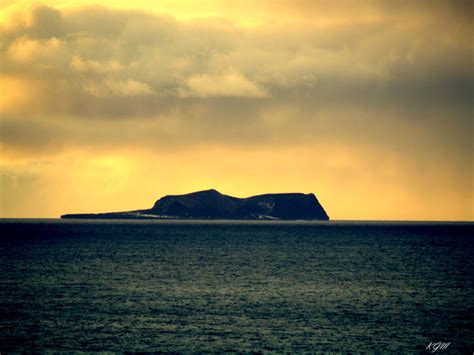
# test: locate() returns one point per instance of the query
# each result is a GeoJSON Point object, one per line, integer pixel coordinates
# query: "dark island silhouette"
{"type": "Point", "coordinates": [211, 204]}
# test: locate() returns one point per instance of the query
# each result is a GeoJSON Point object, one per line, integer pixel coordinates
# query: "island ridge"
{"type": "Point", "coordinates": [211, 204]}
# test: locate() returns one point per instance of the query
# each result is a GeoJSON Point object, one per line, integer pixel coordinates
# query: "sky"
{"type": "Point", "coordinates": [107, 106]}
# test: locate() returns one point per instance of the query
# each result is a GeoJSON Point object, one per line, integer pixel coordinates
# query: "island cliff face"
{"type": "Point", "coordinates": [211, 204]}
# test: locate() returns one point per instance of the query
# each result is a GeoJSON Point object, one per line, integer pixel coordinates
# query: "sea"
{"type": "Point", "coordinates": [236, 286]}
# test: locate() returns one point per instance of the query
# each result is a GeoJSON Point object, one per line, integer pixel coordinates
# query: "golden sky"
{"type": "Point", "coordinates": [109, 105]}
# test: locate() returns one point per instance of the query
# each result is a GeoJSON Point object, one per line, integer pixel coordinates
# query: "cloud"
{"type": "Point", "coordinates": [109, 88]}
{"type": "Point", "coordinates": [95, 65]}
{"type": "Point", "coordinates": [96, 52]}
{"type": "Point", "coordinates": [231, 84]}
{"type": "Point", "coordinates": [44, 22]}
{"type": "Point", "coordinates": [27, 51]}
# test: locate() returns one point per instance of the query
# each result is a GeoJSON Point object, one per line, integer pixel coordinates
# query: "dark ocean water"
{"type": "Point", "coordinates": [223, 286]}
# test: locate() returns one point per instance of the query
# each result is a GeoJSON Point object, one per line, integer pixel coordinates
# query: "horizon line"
{"type": "Point", "coordinates": [244, 220]}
